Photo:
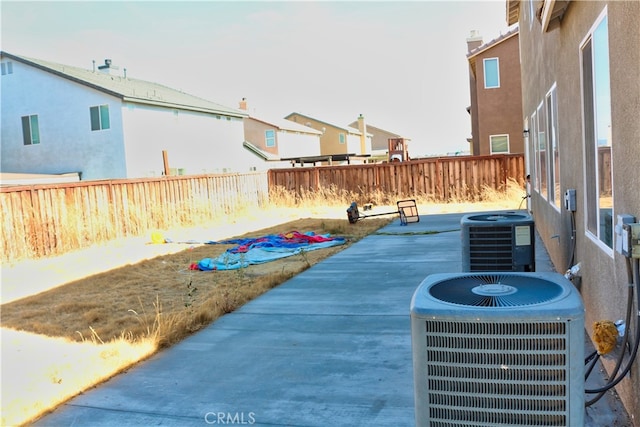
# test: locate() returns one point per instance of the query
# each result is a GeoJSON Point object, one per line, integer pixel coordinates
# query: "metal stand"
{"type": "Point", "coordinates": [407, 210]}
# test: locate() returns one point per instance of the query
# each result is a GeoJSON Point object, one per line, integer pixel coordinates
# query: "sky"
{"type": "Point", "coordinates": [402, 65]}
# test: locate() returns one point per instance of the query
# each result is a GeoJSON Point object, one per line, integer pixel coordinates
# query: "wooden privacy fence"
{"type": "Point", "coordinates": [441, 178]}
{"type": "Point", "coordinates": [42, 220]}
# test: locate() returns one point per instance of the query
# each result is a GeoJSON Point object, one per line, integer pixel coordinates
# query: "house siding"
{"type": "Point", "coordinates": [196, 139]}
{"type": "Point", "coordinates": [330, 138]}
{"type": "Point", "coordinates": [379, 138]}
{"type": "Point", "coordinates": [289, 143]}
{"type": "Point", "coordinates": [293, 144]}
{"type": "Point", "coordinates": [196, 143]}
{"type": "Point", "coordinates": [254, 132]}
{"type": "Point", "coordinates": [553, 57]}
{"type": "Point", "coordinates": [67, 143]}
{"type": "Point", "coordinates": [497, 111]}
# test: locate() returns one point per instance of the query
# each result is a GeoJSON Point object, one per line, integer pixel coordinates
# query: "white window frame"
{"type": "Point", "coordinates": [593, 218]}
{"type": "Point", "coordinates": [542, 147]}
{"type": "Point", "coordinates": [484, 68]}
{"type": "Point", "coordinates": [270, 141]}
{"type": "Point", "coordinates": [102, 119]}
{"type": "Point", "coordinates": [342, 138]}
{"type": "Point", "coordinates": [7, 68]}
{"type": "Point", "coordinates": [533, 141]}
{"type": "Point", "coordinates": [33, 122]}
{"type": "Point", "coordinates": [491, 143]}
{"type": "Point", "coordinates": [553, 151]}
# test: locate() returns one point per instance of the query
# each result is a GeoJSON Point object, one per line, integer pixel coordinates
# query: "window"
{"type": "Point", "coordinates": [343, 138]}
{"type": "Point", "coordinates": [491, 73]}
{"type": "Point", "coordinates": [99, 117]}
{"type": "Point", "coordinates": [270, 137]}
{"type": "Point", "coordinates": [554, 157]}
{"type": "Point", "coordinates": [596, 94]}
{"type": "Point", "coordinates": [541, 145]}
{"type": "Point", "coordinates": [30, 130]}
{"type": "Point", "coordinates": [499, 144]}
{"type": "Point", "coordinates": [7, 67]}
{"type": "Point", "coordinates": [536, 160]}
{"type": "Point", "coordinates": [531, 14]}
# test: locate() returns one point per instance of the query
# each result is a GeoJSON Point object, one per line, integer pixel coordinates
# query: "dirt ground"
{"type": "Point", "coordinates": [125, 301]}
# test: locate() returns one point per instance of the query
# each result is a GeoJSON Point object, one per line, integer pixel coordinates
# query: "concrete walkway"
{"type": "Point", "coordinates": [330, 347]}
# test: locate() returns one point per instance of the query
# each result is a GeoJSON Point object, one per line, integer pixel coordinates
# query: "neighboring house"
{"type": "Point", "coordinates": [495, 92]}
{"type": "Point", "coordinates": [58, 118]}
{"type": "Point", "coordinates": [581, 101]}
{"type": "Point", "coordinates": [336, 140]}
{"type": "Point", "coordinates": [277, 140]}
{"type": "Point", "coordinates": [379, 137]}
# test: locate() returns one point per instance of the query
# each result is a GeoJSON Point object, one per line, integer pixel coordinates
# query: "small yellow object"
{"type": "Point", "coordinates": [605, 336]}
{"type": "Point", "coordinates": [157, 237]}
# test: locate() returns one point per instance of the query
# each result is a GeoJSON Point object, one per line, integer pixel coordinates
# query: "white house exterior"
{"type": "Point", "coordinates": [276, 140]}
{"type": "Point", "coordinates": [379, 137]}
{"type": "Point", "coordinates": [336, 140]}
{"type": "Point", "coordinates": [60, 119]}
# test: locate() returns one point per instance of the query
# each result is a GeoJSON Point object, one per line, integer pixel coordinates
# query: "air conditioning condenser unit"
{"type": "Point", "coordinates": [498, 349]}
{"type": "Point", "coordinates": [500, 241]}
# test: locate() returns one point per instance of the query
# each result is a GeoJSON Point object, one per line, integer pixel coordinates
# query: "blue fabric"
{"type": "Point", "coordinates": [265, 249]}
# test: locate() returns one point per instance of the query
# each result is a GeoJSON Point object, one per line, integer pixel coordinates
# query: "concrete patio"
{"type": "Point", "coordinates": [330, 347]}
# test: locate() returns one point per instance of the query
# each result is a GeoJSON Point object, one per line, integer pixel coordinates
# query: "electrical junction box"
{"type": "Point", "coordinates": [631, 240]}
{"type": "Point", "coordinates": [570, 200]}
{"type": "Point", "coordinates": [623, 241]}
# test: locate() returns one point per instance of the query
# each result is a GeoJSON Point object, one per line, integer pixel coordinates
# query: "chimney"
{"type": "Point", "coordinates": [362, 127]}
{"type": "Point", "coordinates": [107, 68]}
{"type": "Point", "coordinates": [243, 104]}
{"type": "Point", "coordinates": [474, 40]}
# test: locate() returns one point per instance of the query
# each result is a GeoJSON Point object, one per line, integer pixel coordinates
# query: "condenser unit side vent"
{"type": "Point", "coordinates": [498, 242]}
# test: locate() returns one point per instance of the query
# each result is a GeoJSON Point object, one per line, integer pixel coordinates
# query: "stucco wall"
{"type": "Point", "coordinates": [254, 132]}
{"type": "Point", "coordinates": [67, 143]}
{"type": "Point", "coordinates": [294, 144]}
{"type": "Point", "coordinates": [288, 143]}
{"type": "Point", "coordinates": [554, 57]}
{"type": "Point", "coordinates": [380, 140]}
{"type": "Point", "coordinates": [499, 109]}
{"type": "Point", "coordinates": [330, 138]}
{"type": "Point", "coordinates": [196, 142]}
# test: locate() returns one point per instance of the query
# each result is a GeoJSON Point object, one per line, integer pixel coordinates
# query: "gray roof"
{"type": "Point", "coordinates": [129, 89]}
{"type": "Point", "coordinates": [346, 128]}
{"type": "Point", "coordinates": [514, 31]}
{"type": "Point", "coordinates": [288, 125]}
{"type": "Point", "coordinates": [264, 155]}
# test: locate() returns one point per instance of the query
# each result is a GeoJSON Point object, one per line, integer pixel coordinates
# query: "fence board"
{"type": "Point", "coordinates": [42, 220]}
{"type": "Point", "coordinates": [442, 178]}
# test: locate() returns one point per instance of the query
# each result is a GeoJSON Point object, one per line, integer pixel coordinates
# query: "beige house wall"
{"type": "Point", "coordinates": [553, 57]}
{"type": "Point", "coordinates": [498, 111]}
{"type": "Point", "coordinates": [254, 132]}
{"type": "Point", "coordinates": [330, 139]}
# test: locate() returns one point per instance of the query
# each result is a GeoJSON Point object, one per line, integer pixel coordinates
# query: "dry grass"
{"type": "Point", "coordinates": [108, 321]}
{"type": "Point", "coordinates": [134, 310]}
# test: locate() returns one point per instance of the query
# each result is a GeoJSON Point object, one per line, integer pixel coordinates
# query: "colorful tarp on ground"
{"type": "Point", "coordinates": [265, 249]}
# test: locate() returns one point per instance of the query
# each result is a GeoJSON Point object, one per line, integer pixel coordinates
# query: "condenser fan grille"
{"type": "Point", "coordinates": [495, 290]}
{"type": "Point", "coordinates": [499, 217]}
